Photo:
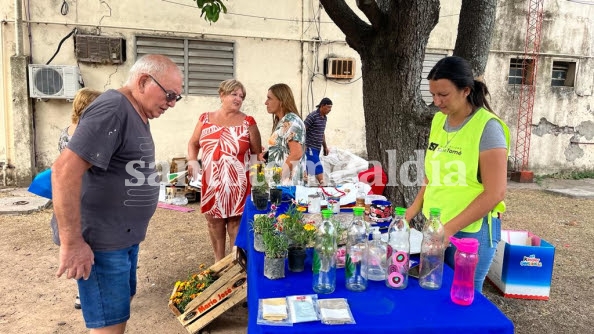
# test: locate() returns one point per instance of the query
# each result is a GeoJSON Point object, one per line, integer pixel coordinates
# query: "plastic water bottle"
{"type": "Point", "coordinates": [375, 263]}
{"type": "Point", "coordinates": [324, 260]}
{"type": "Point", "coordinates": [465, 259]}
{"type": "Point", "coordinates": [432, 252]}
{"type": "Point", "coordinates": [398, 251]}
{"type": "Point", "coordinates": [356, 247]}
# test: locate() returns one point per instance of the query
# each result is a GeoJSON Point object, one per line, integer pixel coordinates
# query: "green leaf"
{"type": "Point", "coordinates": [317, 264]}
{"type": "Point", "coordinates": [349, 267]}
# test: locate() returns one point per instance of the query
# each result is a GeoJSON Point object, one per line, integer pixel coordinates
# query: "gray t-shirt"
{"type": "Point", "coordinates": [121, 190]}
{"type": "Point", "coordinates": [492, 137]}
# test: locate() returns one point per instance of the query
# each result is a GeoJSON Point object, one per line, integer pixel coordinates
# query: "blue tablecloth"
{"type": "Point", "coordinates": [378, 309]}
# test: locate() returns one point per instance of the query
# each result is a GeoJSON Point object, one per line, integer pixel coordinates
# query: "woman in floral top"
{"type": "Point", "coordinates": [288, 134]}
{"type": "Point", "coordinates": [82, 99]}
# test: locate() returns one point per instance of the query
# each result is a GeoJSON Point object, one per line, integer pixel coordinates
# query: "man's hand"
{"type": "Point", "coordinates": [326, 151]}
{"type": "Point", "coordinates": [76, 260]}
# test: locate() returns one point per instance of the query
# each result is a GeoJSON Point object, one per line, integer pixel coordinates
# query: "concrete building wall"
{"type": "Point", "coordinates": [563, 117]}
{"type": "Point", "coordinates": [288, 43]}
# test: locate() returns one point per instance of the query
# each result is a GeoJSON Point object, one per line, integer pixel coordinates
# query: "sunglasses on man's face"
{"type": "Point", "coordinates": [169, 95]}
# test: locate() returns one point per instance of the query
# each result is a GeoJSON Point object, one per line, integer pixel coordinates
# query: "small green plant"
{"type": "Point", "coordinates": [276, 175]}
{"type": "Point", "coordinates": [299, 232]}
{"type": "Point", "coordinates": [259, 183]}
{"type": "Point", "coordinates": [264, 222]}
{"type": "Point", "coordinates": [276, 243]}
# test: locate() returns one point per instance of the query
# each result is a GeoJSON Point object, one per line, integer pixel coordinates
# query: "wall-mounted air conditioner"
{"type": "Point", "coordinates": [100, 49]}
{"type": "Point", "coordinates": [339, 68]}
{"type": "Point", "coordinates": [53, 81]}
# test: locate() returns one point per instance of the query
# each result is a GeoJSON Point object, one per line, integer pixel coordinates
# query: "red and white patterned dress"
{"type": "Point", "coordinates": [225, 158]}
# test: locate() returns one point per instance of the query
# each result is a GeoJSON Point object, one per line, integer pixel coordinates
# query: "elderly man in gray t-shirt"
{"type": "Point", "coordinates": [105, 191]}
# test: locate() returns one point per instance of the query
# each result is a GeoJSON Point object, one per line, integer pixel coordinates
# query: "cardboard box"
{"type": "Point", "coordinates": [228, 290]}
{"type": "Point", "coordinates": [523, 266]}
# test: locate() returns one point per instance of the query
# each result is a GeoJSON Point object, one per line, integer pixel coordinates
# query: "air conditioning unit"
{"type": "Point", "coordinates": [100, 49]}
{"type": "Point", "coordinates": [53, 81]}
{"type": "Point", "coordinates": [339, 68]}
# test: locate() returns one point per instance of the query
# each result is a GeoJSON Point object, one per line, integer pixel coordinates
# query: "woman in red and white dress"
{"type": "Point", "coordinates": [227, 138]}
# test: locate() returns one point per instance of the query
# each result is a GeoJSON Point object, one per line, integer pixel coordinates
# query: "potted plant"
{"type": "Point", "coordinates": [260, 224]}
{"type": "Point", "coordinates": [275, 193]}
{"type": "Point", "coordinates": [275, 250]}
{"type": "Point", "coordinates": [259, 187]}
{"type": "Point", "coordinates": [301, 235]}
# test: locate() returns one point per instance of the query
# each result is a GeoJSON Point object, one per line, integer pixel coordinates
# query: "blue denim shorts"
{"type": "Point", "coordinates": [313, 164]}
{"type": "Point", "coordinates": [105, 296]}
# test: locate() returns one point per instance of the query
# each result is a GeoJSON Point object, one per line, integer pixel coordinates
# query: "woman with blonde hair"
{"type": "Point", "coordinates": [82, 99]}
{"type": "Point", "coordinates": [227, 138]}
{"type": "Point", "coordinates": [288, 134]}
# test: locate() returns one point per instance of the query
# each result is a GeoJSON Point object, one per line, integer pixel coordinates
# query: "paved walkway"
{"type": "Point", "coordinates": [20, 201]}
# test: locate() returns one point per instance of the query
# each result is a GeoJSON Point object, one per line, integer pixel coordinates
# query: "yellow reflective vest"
{"type": "Point", "coordinates": [452, 167]}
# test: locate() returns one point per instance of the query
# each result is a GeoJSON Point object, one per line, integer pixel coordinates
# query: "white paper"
{"type": "Point", "coordinates": [302, 309]}
{"type": "Point", "coordinates": [334, 314]}
{"type": "Point", "coordinates": [274, 309]}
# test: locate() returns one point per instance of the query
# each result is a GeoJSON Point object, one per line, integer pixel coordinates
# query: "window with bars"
{"type": "Point", "coordinates": [563, 74]}
{"type": "Point", "coordinates": [204, 63]}
{"type": "Point", "coordinates": [430, 60]}
{"type": "Point", "coordinates": [520, 71]}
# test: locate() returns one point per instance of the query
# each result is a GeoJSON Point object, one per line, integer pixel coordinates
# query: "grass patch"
{"type": "Point", "coordinates": [567, 175]}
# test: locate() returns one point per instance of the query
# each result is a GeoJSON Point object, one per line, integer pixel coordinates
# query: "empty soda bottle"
{"type": "Point", "coordinates": [324, 261]}
{"type": "Point", "coordinates": [432, 252]}
{"type": "Point", "coordinates": [356, 247]}
{"type": "Point", "coordinates": [398, 251]}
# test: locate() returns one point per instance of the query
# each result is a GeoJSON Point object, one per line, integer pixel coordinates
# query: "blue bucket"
{"type": "Point", "coordinates": [42, 184]}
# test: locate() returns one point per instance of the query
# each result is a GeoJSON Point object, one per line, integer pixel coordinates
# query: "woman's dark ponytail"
{"type": "Point", "coordinates": [478, 95]}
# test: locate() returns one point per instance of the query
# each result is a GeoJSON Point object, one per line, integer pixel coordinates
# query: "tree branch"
{"type": "Point", "coordinates": [372, 11]}
{"type": "Point", "coordinates": [347, 21]}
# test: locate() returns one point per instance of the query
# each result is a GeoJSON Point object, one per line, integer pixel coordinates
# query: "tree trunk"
{"type": "Point", "coordinates": [392, 45]}
{"type": "Point", "coordinates": [475, 31]}
{"type": "Point", "coordinates": [396, 134]}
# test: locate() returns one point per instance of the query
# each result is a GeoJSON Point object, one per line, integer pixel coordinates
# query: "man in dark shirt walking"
{"type": "Point", "coordinates": [315, 125]}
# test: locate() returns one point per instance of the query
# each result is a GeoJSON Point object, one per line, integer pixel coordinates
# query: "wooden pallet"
{"type": "Point", "coordinates": [227, 291]}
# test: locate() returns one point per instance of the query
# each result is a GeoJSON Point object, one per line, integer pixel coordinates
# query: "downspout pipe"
{"type": "Point", "coordinates": [18, 27]}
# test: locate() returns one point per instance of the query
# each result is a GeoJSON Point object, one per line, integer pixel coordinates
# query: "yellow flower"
{"type": "Point", "coordinates": [309, 227]}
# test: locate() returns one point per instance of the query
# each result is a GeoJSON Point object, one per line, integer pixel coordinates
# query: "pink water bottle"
{"type": "Point", "coordinates": [465, 260]}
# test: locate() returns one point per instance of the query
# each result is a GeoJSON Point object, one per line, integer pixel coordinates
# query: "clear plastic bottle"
{"type": "Point", "coordinates": [375, 263]}
{"type": "Point", "coordinates": [324, 261]}
{"type": "Point", "coordinates": [465, 259]}
{"type": "Point", "coordinates": [356, 247]}
{"type": "Point", "coordinates": [398, 251]}
{"type": "Point", "coordinates": [432, 252]}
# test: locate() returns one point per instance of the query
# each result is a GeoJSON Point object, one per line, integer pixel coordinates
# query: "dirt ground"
{"type": "Point", "coordinates": [35, 301]}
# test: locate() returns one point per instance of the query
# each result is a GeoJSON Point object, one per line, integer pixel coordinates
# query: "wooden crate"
{"type": "Point", "coordinates": [227, 291]}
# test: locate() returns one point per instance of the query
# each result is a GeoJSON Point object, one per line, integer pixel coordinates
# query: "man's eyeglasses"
{"type": "Point", "coordinates": [169, 95]}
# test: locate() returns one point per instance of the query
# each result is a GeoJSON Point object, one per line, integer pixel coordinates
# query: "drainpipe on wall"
{"type": "Point", "coordinates": [18, 27]}
{"type": "Point", "coordinates": [21, 159]}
